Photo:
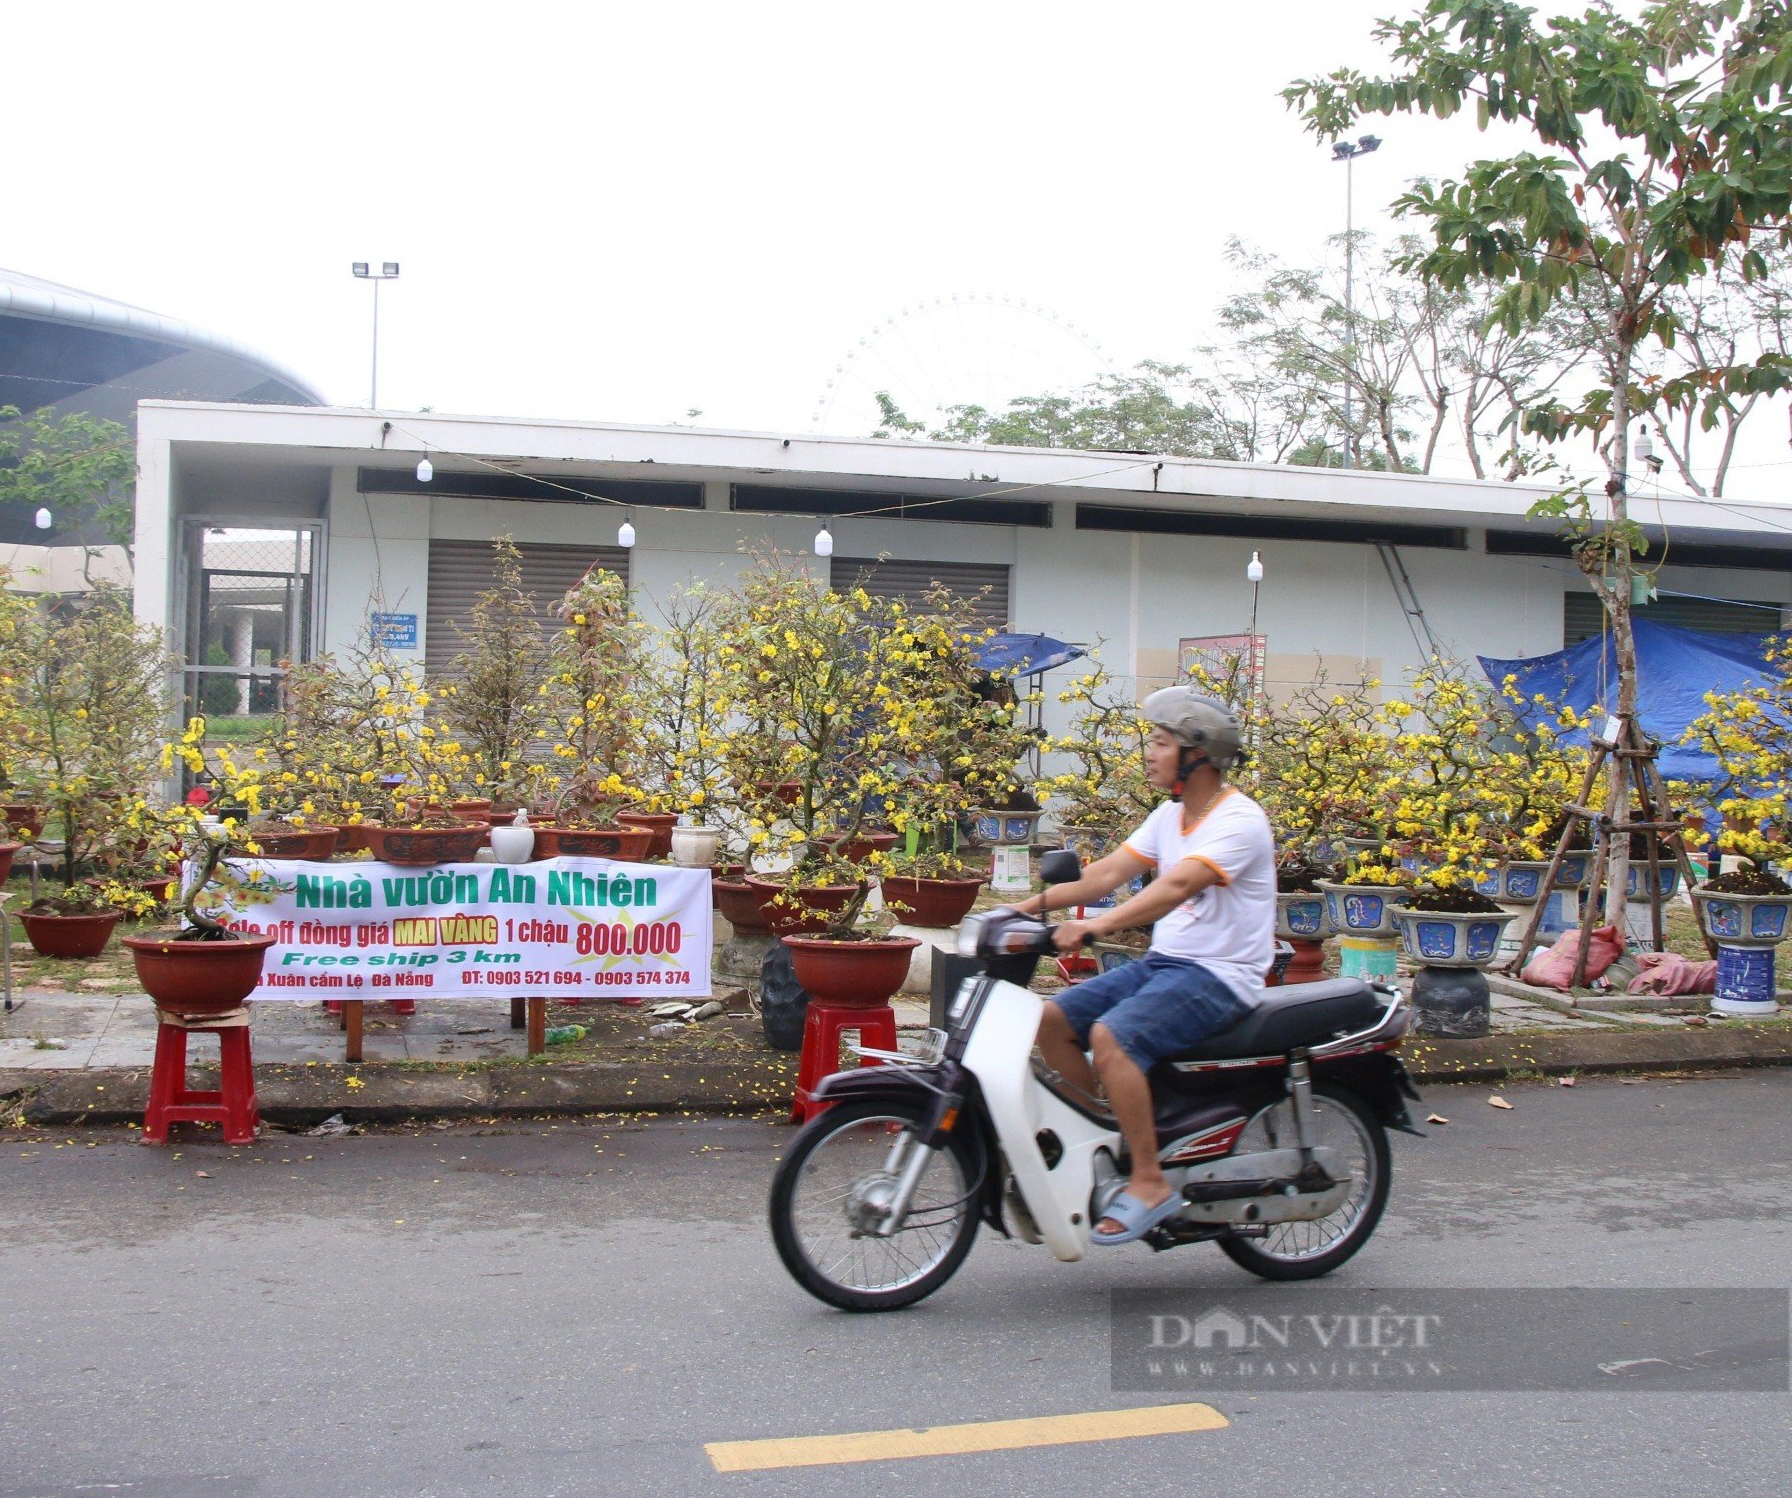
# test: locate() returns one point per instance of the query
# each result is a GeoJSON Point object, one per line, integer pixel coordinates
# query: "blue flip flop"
{"type": "Point", "coordinates": [1135, 1218]}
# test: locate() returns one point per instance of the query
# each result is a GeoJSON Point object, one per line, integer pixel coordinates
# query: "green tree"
{"type": "Point", "coordinates": [79, 467]}
{"type": "Point", "coordinates": [1663, 144]}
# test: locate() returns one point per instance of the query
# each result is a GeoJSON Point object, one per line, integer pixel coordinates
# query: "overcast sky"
{"type": "Point", "coordinates": [622, 212]}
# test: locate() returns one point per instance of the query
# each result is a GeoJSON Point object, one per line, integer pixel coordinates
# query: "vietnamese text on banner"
{"type": "Point", "coordinates": [560, 928]}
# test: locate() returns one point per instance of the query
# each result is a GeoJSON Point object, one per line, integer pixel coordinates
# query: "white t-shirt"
{"type": "Point", "coordinates": [1228, 927]}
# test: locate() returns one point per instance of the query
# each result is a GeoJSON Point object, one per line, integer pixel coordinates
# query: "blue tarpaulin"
{"type": "Point", "coordinates": [1026, 655]}
{"type": "Point", "coordinates": [1675, 668]}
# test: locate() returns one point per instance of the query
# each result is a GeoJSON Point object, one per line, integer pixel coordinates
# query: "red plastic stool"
{"type": "Point", "coordinates": [170, 1099]}
{"type": "Point", "coordinates": [821, 1047]}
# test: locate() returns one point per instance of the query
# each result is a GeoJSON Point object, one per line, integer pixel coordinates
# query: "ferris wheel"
{"type": "Point", "coordinates": [968, 348]}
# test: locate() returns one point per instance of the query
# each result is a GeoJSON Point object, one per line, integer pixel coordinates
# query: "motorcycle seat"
{"type": "Point", "coordinates": [1296, 1014]}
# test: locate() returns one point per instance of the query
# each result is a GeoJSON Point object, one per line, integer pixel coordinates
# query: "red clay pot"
{"type": "Point", "coordinates": [352, 838]}
{"type": "Point", "coordinates": [854, 974]}
{"type": "Point", "coordinates": [824, 899]}
{"type": "Point", "coordinates": [6, 852]}
{"type": "Point", "coordinates": [932, 902]}
{"type": "Point", "coordinates": [471, 807]}
{"type": "Point", "coordinates": [788, 791]}
{"type": "Point", "coordinates": [422, 847]}
{"type": "Point", "coordinates": [742, 906]}
{"type": "Point", "coordinates": [70, 935]}
{"type": "Point", "coordinates": [661, 823]}
{"type": "Point", "coordinates": [23, 818]}
{"type": "Point", "coordinates": [860, 846]}
{"type": "Point", "coordinates": [317, 842]}
{"type": "Point", "coordinates": [198, 978]}
{"type": "Point", "coordinates": [626, 843]}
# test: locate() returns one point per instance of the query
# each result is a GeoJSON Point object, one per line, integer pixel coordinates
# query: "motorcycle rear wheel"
{"type": "Point", "coordinates": [1307, 1250]}
{"type": "Point", "coordinates": [838, 1156]}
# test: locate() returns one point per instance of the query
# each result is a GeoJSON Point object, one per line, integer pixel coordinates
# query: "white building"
{"type": "Point", "coordinates": [267, 532]}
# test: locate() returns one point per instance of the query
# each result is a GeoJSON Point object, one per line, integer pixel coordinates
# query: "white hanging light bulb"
{"type": "Point", "coordinates": [1253, 570]}
{"type": "Point", "coordinates": [625, 534]}
{"type": "Point", "coordinates": [824, 541]}
{"type": "Point", "coordinates": [44, 519]}
{"type": "Point", "coordinates": [1642, 449]}
{"type": "Point", "coordinates": [425, 470]}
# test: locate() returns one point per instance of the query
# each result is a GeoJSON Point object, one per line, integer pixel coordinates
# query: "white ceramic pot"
{"type": "Point", "coordinates": [695, 847]}
{"type": "Point", "coordinates": [512, 844]}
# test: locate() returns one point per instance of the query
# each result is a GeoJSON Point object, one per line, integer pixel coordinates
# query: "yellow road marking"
{"type": "Point", "coordinates": [953, 1440]}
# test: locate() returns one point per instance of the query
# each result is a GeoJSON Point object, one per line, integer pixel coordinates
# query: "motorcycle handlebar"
{"type": "Point", "coordinates": [1006, 933]}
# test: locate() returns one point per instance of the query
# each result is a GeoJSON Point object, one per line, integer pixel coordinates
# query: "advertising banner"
{"type": "Point", "coordinates": [560, 928]}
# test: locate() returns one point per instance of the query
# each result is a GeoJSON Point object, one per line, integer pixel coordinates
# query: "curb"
{"type": "Point", "coordinates": [300, 1096]}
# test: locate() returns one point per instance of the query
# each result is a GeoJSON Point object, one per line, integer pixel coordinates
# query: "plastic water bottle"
{"type": "Point", "coordinates": [566, 1034]}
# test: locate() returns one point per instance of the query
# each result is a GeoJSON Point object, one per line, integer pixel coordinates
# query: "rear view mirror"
{"type": "Point", "coordinates": [1060, 866]}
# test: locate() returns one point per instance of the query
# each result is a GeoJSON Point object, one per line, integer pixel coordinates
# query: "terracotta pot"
{"type": "Point", "coordinates": [855, 974]}
{"type": "Point", "coordinates": [353, 838]}
{"type": "Point", "coordinates": [788, 791]}
{"type": "Point", "coordinates": [310, 842]}
{"type": "Point", "coordinates": [421, 847]}
{"type": "Point", "coordinates": [198, 978]}
{"type": "Point", "coordinates": [932, 902]}
{"type": "Point", "coordinates": [661, 822]}
{"type": "Point", "coordinates": [729, 873]}
{"type": "Point", "coordinates": [160, 890]}
{"type": "Point", "coordinates": [6, 854]}
{"type": "Point", "coordinates": [860, 846]}
{"type": "Point", "coordinates": [626, 843]}
{"type": "Point", "coordinates": [742, 906]}
{"type": "Point", "coordinates": [824, 899]}
{"type": "Point", "coordinates": [472, 806]}
{"type": "Point", "coordinates": [70, 935]}
{"type": "Point", "coordinates": [23, 818]}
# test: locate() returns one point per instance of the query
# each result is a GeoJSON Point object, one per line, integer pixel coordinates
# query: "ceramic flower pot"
{"type": "Point", "coordinates": [422, 847]}
{"type": "Point", "coordinates": [82, 935]}
{"type": "Point", "coordinates": [23, 819]}
{"type": "Point", "coordinates": [660, 823]}
{"type": "Point", "coordinates": [1515, 882]}
{"type": "Point", "coordinates": [743, 906]}
{"type": "Point", "coordinates": [992, 828]}
{"type": "Point", "coordinates": [1363, 910]}
{"type": "Point", "coordinates": [1439, 938]}
{"type": "Point", "coordinates": [1576, 863]}
{"type": "Point", "coordinates": [299, 842]}
{"type": "Point", "coordinates": [851, 974]}
{"type": "Point", "coordinates": [819, 901]}
{"type": "Point", "coordinates": [625, 843]}
{"type": "Point", "coordinates": [860, 846]}
{"type": "Point", "coordinates": [198, 978]}
{"type": "Point", "coordinates": [1636, 883]}
{"type": "Point", "coordinates": [936, 903]}
{"type": "Point", "coordinates": [695, 847]}
{"type": "Point", "coordinates": [1301, 916]}
{"type": "Point", "coordinates": [512, 844]}
{"type": "Point", "coordinates": [7, 850]}
{"type": "Point", "coordinates": [352, 838]}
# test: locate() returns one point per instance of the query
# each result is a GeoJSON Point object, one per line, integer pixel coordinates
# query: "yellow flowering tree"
{"type": "Point", "coordinates": [684, 740]}
{"type": "Point", "coordinates": [595, 701]}
{"type": "Point", "coordinates": [1750, 734]}
{"type": "Point", "coordinates": [1104, 793]}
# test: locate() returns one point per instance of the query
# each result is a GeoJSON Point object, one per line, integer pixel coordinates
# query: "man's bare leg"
{"type": "Point", "coordinates": [1063, 1051]}
{"type": "Point", "coordinates": [1129, 1093]}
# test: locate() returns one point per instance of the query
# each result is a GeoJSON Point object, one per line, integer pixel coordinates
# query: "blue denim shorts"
{"type": "Point", "coordinates": [1154, 1007]}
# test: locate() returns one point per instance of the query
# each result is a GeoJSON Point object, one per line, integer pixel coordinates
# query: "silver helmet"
{"type": "Point", "coordinates": [1197, 721]}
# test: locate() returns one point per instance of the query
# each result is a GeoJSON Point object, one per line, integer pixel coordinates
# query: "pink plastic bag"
{"type": "Point", "coordinates": [1555, 968]}
{"type": "Point", "coordinates": [1669, 972]}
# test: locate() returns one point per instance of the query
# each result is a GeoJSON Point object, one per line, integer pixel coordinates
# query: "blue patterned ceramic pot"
{"type": "Point", "coordinates": [1436, 938]}
{"type": "Point", "coordinates": [1302, 915]}
{"type": "Point", "coordinates": [995, 829]}
{"type": "Point", "coordinates": [1362, 909]}
{"type": "Point", "coordinates": [1744, 920]}
{"type": "Point", "coordinates": [1515, 882]}
{"type": "Point", "coordinates": [1573, 872]}
{"type": "Point", "coordinates": [1636, 886]}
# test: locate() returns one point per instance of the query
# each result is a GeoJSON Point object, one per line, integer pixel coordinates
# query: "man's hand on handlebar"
{"type": "Point", "coordinates": [1069, 936]}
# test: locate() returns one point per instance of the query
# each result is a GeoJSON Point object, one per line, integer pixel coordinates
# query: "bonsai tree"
{"type": "Point", "coordinates": [492, 698]}
{"type": "Point", "coordinates": [89, 691]}
{"type": "Point", "coordinates": [594, 708]}
{"type": "Point", "coordinates": [1105, 793]}
{"type": "Point", "coordinates": [1749, 732]}
{"type": "Point", "coordinates": [686, 729]}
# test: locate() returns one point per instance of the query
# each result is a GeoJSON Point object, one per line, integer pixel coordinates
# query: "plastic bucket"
{"type": "Point", "coordinates": [1366, 957]}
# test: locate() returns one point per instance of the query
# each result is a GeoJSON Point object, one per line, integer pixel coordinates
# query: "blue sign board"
{"type": "Point", "coordinates": [396, 630]}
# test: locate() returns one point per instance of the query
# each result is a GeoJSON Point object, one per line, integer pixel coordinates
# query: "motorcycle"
{"type": "Point", "coordinates": [1274, 1132]}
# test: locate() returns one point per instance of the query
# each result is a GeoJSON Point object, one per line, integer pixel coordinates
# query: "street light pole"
{"type": "Point", "coordinates": [388, 271]}
{"type": "Point", "coordinates": [1346, 152]}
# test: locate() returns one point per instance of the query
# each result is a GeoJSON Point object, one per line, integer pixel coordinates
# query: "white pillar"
{"type": "Point", "coordinates": [241, 624]}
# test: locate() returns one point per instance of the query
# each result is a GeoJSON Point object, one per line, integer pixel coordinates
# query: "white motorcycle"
{"type": "Point", "coordinates": [1273, 1131]}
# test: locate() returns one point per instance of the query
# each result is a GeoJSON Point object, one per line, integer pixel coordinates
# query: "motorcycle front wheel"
{"type": "Point", "coordinates": [837, 1169]}
{"type": "Point", "coordinates": [1306, 1250]}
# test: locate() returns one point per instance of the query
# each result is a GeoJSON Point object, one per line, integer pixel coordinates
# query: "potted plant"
{"type": "Point", "coordinates": [204, 968]}
{"type": "Point", "coordinates": [850, 959]}
{"type": "Point", "coordinates": [1747, 913]}
{"type": "Point", "coordinates": [1302, 919]}
{"type": "Point", "coordinates": [933, 889]}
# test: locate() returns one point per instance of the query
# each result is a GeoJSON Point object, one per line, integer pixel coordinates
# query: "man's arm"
{"type": "Point", "coordinates": [1158, 898]}
{"type": "Point", "coordinates": [1102, 877]}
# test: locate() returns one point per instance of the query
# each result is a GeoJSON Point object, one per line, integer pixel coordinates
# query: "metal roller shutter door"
{"type": "Point", "coordinates": [1583, 616]}
{"type": "Point", "coordinates": [909, 581]}
{"type": "Point", "coordinates": [459, 571]}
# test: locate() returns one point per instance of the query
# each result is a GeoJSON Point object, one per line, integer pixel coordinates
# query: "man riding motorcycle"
{"type": "Point", "coordinates": [1213, 904]}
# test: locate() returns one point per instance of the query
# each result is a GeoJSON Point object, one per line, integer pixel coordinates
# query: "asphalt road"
{"type": "Point", "coordinates": [577, 1309]}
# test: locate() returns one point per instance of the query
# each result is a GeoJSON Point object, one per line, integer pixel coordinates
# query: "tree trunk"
{"type": "Point", "coordinates": [1617, 603]}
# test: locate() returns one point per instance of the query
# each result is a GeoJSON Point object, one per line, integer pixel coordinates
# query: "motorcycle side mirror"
{"type": "Point", "coordinates": [1060, 866]}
